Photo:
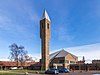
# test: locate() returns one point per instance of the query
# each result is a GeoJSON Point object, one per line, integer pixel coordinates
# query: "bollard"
{"type": "Point", "coordinates": [37, 72]}
{"type": "Point", "coordinates": [26, 73]}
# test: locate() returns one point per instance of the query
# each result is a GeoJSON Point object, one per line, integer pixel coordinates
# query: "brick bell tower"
{"type": "Point", "coordinates": [45, 38]}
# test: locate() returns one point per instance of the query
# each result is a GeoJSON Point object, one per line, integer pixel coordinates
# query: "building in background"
{"type": "Point", "coordinates": [6, 65]}
{"type": "Point", "coordinates": [82, 61]}
{"type": "Point", "coordinates": [95, 65]}
{"type": "Point", "coordinates": [96, 61]}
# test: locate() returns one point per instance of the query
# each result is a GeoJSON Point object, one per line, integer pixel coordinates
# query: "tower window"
{"type": "Point", "coordinates": [48, 25]}
{"type": "Point", "coordinates": [42, 25]}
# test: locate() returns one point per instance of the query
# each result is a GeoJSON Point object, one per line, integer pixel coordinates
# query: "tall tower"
{"type": "Point", "coordinates": [45, 38]}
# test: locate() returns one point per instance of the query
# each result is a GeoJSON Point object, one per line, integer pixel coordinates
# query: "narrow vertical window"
{"type": "Point", "coordinates": [42, 25]}
{"type": "Point", "coordinates": [48, 25]}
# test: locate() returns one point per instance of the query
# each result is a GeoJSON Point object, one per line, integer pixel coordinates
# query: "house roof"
{"type": "Point", "coordinates": [59, 54]}
{"type": "Point", "coordinates": [10, 63]}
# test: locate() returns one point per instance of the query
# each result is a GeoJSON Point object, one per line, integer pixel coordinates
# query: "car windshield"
{"type": "Point", "coordinates": [63, 69]}
{"type": "Point", "coordinates": [48, 69]}
{"type": "Point", "coordinates": [53, 69]}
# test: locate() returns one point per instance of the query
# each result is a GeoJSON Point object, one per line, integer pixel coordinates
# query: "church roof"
{"type": "Point", "coordinates": [59, 54]}
{"type": "Point", "coordinates": [45, 15]}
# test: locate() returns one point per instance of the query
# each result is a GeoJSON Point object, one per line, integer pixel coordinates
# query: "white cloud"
{"type": "Point", "coordinates": [35, 57]}
{"type": "Point", "coordinates": [91, 51]}
{"type": "Point", "coordinates": [7, 24]}
{"type": "Point", "coordinates": [4, 22]}
{"type": "Point", "coordinates": [11, 26]}
{"type": "Point", "coordinates": [4, 59]}
{"type": "Point", "coordinates": [63, 33]}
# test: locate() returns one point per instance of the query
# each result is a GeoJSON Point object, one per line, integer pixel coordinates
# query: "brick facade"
{"type": "Point", "coordinates": [45, 38]}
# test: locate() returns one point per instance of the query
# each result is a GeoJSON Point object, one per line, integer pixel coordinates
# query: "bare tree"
{"type": "Point", "coordinates": [23, 53]}
{"type": "Point", "coordinates": [15, 52]}
{"type": "Point", "coordinates": [18, 54]}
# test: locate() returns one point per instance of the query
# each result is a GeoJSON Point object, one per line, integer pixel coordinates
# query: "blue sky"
{"type": "Point", "coordinates": [74, 23]}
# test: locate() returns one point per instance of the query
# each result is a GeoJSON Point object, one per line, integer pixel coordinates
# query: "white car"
{"type": "Point", "coordinates": [13, 68]}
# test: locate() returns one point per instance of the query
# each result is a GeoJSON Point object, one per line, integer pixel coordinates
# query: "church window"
{"type": "Point", "coordinates": [61, 61]}
{"type": "Point", "coordinates": [72, 62]}
{"type": "Point", "coordinates": [42, 25]}
{"type": "Point", "coordinates": [48, 25]}
{"type": "Point", "coordinates": [67, 61]}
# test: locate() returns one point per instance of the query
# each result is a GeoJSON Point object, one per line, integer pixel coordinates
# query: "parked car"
{"type": "Point", "coordinates": [13, 68]}
{"type": "Point", "coordinates": [63, 70]}
{"type": "Point", "coordinates": [52, 71]}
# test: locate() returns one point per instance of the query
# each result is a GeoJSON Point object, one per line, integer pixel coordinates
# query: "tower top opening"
{"type": "Point", "coordinates": [45, 15]}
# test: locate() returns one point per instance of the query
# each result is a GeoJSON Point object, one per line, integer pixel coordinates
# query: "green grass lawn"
{"type": "Point", "coordinates": [29, 71]}
{"type": "Point", "coordinates": [10, 74]}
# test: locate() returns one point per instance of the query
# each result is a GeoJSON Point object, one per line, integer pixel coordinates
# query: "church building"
{"type": "Point", "coordinates": [62, 59]}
